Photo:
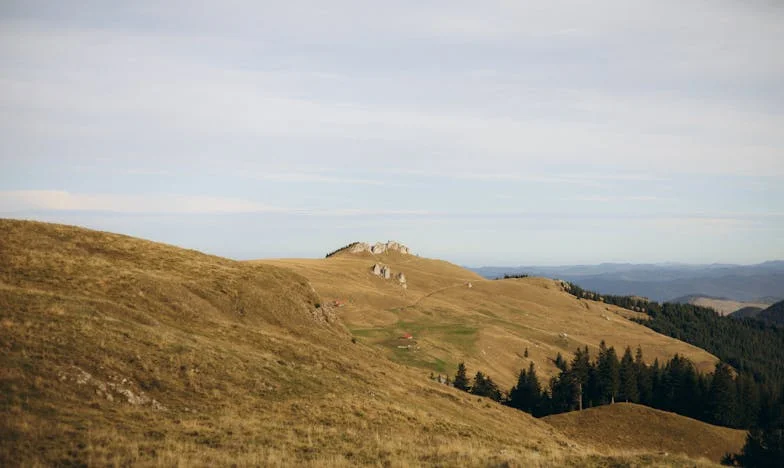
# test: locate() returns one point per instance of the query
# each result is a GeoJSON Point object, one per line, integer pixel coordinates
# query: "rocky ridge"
{"type": "Point", "coordinates": [379, 248]}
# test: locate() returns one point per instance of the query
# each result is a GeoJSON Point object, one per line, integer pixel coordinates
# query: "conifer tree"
{"type": "Point", "coordinates": [461, 379]}
{"type": "Point", "coordinates": [560, 362]}
{"type": "Point", "coordinates": [644, 381]}
{"type": "Point", "coordinates": [627, 374]}
{"type": "Point", "coordinates": [484, 386]}
{"type": "Point", "coordinates": [526, 395]}
{"type": "Point", "coordinates": [607, 368]}
{"type": "Point", "coordinates": [722, 398]}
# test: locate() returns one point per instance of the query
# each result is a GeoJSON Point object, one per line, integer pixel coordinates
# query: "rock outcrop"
{"type": "Point", "coordinates": [379, 248]}
{"type": "Point", "coordinates": [384, 271]}
{"type": "Point", "coordinates": [379, 269]}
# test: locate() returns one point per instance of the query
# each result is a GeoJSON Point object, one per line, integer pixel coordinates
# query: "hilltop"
{"type": "Point", "coordinates": [454, 314]}
{"type": "Point", "coordinates": [624, 425]}
{"type": "Point", "coordinates": [122, 351]}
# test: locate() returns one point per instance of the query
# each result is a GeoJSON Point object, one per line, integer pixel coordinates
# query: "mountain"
{"type": "Point", "coordinates": [721, 305]}
{"type": "Point", "coordinates": [488, 325]}
{"type": "Point", "coordinates": [763, 282]}
{"type": "Point", "coordinates": [120, 351]}
{"type": "Point", "coordinates": [618, 426]}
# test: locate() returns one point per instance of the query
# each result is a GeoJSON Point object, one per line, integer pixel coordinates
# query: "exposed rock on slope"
{"type": "Point", "coordinates": [379, 248]}
{"type": "Point", "coordinates": [384, 271]}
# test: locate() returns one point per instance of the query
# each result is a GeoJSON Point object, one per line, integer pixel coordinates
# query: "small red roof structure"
{"type": "Point", "coordinates": [408, 336]}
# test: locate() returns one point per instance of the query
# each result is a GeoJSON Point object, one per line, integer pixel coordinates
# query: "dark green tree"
{"type": "Point", "coordinates": [722, 398]}
{"type": "Point", "coordinates": [461, 379]}
{"type": "Point", "coordinates": [628, 390]}
{"type": "Point", "coordinates": [644, 380]}
{"type": "Point", "coordinates": [527, 394]}
{"type": "Point", "coordinates": [484, 386]}
{"type": "Point", "coordinates": [608, 367]}
{"type": "Point", "coordinates": [560, 362]}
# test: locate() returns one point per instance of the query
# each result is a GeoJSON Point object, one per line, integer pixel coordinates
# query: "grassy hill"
{"type": "Point", "coordinates": [489, 325]}
{"type": "Point", "coordinates": [119, 351]}
{"type": "Point", "coordinates": [622, 425]}
{"type": "Point", "coordinates": [720, 305]}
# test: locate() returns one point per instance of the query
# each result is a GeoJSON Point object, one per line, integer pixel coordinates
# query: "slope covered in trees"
{"type": "Point", "coordinates": [773, 314]}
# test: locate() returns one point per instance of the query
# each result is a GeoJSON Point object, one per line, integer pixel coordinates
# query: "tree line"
{"type": "Point", "coordinates": [348, 246]}
{"type": "Point", "coordinates": [722, 397]}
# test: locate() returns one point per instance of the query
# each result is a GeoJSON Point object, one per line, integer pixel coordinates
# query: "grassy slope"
{"type": "Point", "coordinates": [623, 425]}
{"type": "Point", "coordinates": [488, 326]}
{"type": "Point", "coordinates": [121, 351]}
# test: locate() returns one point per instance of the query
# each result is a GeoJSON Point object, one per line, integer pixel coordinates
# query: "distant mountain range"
{"type": "Point", "coordinates": [763, 282]}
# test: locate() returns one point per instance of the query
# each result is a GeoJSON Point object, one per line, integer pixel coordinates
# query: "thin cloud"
{"type": "Point", "coordinates": [612, 198]}
{"type": "Point", "coordinates": [311, 177]}
{"type": "Point", "coordinates": [54, 200]}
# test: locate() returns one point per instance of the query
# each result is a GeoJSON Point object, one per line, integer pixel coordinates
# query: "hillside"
{"type": "Point", "coordinates": [619, 426]}
{"type": "Point", "coordinates": [488, 325]}
{"type": "Point", "coordinates": [773, 315]}
{"type": "Point", "coordinates": [721, 305]}
{"type": "Point", "coordinates": [118, 351]}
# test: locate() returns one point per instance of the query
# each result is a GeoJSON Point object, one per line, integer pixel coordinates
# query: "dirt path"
{"type": "Point", "coordinates": [422, 298]}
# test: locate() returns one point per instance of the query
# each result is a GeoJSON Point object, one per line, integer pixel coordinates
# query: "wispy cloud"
{"type": "Point", "coordinates": [312, 177]}
{"type": "Point", "coordinates": [53, 200]}
{"type": "Point", "coordinates": [612, 198]}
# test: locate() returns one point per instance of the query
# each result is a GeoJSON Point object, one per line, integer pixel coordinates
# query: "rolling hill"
{"type": "Point", "coordinates": [615, 427]}
{"type": "Point", "coordinates": [721, 305]}
{"type": "Point", "coordinates": [119, 351]}
{"type": "Point", "coordinates": [488, 325]}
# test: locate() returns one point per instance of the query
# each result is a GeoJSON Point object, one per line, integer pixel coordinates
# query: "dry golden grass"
{"type": "Point", "coordinates": [488, 326]}
{"type": "Point", "coordinates": [118, 351]}
{"type": "Point", "coordinates": [622, 425]}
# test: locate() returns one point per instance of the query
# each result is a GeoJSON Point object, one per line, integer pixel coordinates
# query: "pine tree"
{"type": "Point", "coordinates": [644, 381]}
{"type": "Point", "coordinates": [484, 386]}
{"type": "Point", "coordinates": [461, 379]}
{"type": "Point", "coordinates": [721, 399]}
{"type": "Point", "coordinates": [607, 368]}
{"type": "Point", "coordinates": [628, 385]}
{"type": "Point", "coordinates": [526, 395]}
{"type": "Point", "coordinates": [516, 398]}
{"type": "Point", "coordinates": [581, 372]}
{"type": "Point", "coordinates": [560, 362]}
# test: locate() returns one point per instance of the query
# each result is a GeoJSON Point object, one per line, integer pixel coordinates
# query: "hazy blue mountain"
{"type": "Point", "coordinates": [662, 282]}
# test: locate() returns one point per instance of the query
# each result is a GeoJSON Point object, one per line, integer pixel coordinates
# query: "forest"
{"type": "Point", "coordinates": [722, 397]}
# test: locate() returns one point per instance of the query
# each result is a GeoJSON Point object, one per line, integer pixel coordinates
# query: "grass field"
{"type": "Point", "coordinates": [118, 351]}
{"type": "Point", "coordinates": [489, 325]}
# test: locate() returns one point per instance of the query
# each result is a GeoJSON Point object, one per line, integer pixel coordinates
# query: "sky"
{"type": "Point", "coordinates": [483, 133]}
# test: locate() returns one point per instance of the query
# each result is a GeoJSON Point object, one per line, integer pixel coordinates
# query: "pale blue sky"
{"type": "Point", "coordinates": [478, 132]}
